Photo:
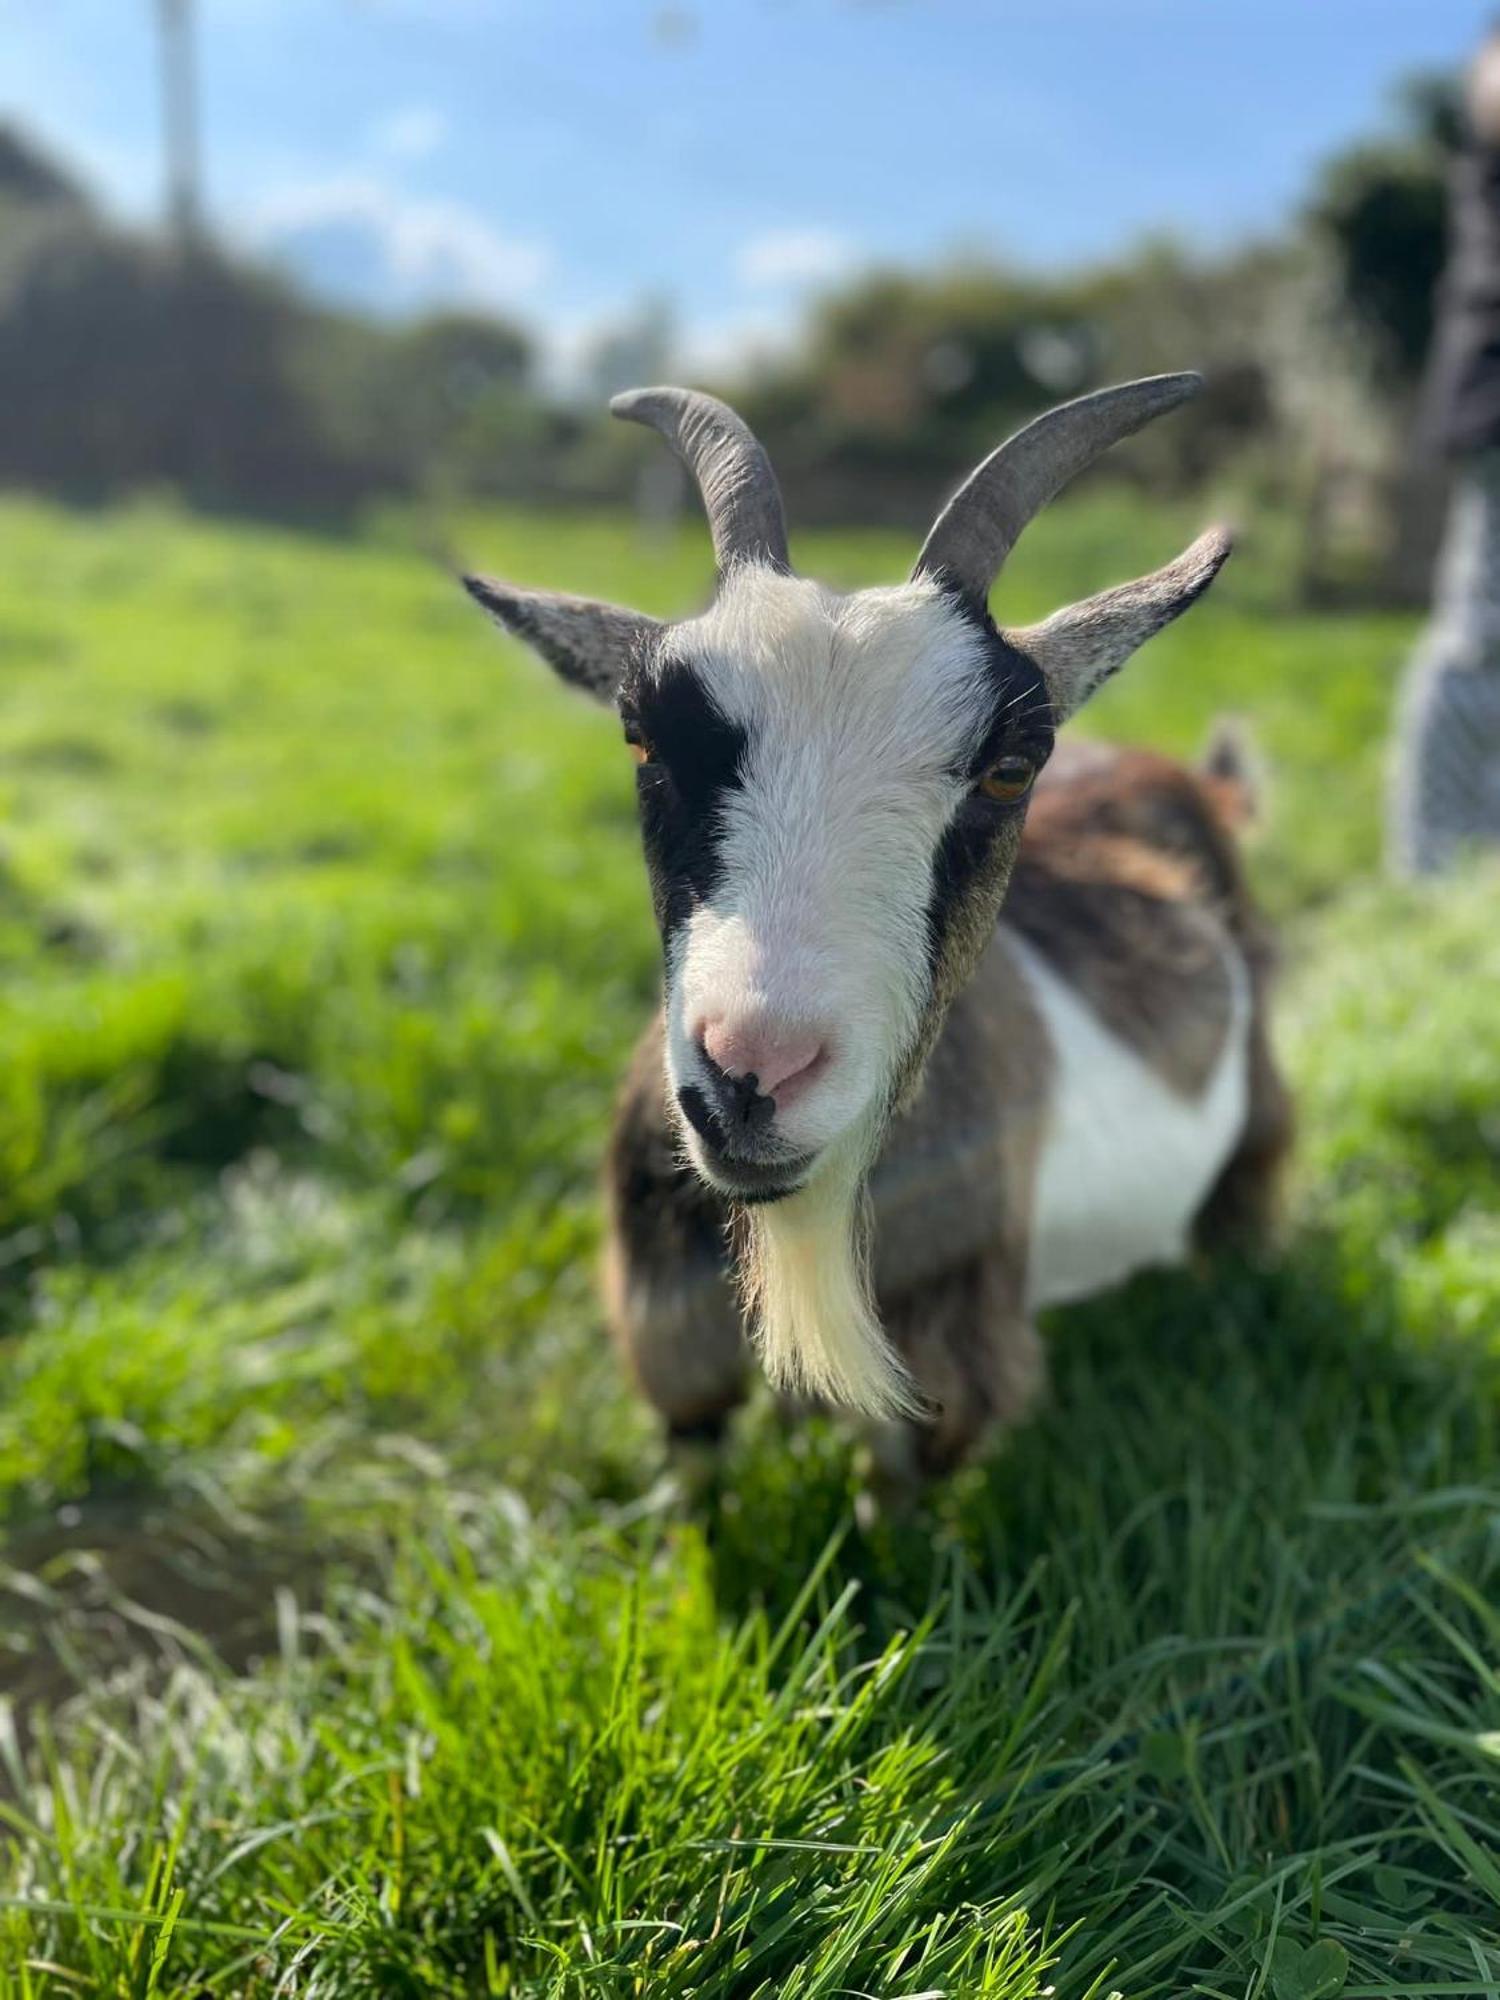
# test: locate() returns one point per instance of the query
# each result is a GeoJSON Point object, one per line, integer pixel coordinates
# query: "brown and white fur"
{"type": "Point", "coordinates": [938, 1047]}
{"type": "Point", "coordinates": [1102, 1097]}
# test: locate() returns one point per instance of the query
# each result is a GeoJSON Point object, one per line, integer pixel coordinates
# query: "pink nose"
{"type": "Point", "coordinates": [783, 1057]}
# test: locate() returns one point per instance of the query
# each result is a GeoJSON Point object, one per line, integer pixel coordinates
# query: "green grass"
{"type": "Point", "coordinates": [356, 1644]}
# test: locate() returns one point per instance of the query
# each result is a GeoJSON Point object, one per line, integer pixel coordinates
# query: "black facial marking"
{"type": "Point", "coordinates": [734, 1121]}
{"type": "Point", "coordinates": [695, 758]}
{"type": "Point", "coordinates": [699, 1114]}
{"type": "Point", "coordinates": [740, 1107]}
{"type": "Point", "coordinates": [731, 1115]}
{"type": "Point", "coordinates": [1020, 722]}
{"type": "Point", "coordinates": [964, 859]}
{"type": "Point", "coordinates": [984, 831]}
{"type": "Point", "coordinates": [734, 1152]}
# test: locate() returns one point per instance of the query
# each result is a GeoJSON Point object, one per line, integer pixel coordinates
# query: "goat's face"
{"type": "Point", "coordinates": [831, 793]}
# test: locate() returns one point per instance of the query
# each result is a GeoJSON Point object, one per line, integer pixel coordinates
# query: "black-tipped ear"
{"type": "Point", "coordinates": [1079, 648]}
{"type": "Point", "coordinates": [588, 643]}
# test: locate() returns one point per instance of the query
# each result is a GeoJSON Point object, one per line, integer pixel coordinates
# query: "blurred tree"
{"type": "Point", "coordinates": [1381, 208]}
{"type": "Point", "coordinates": [1378, 221]}
{"type": "Point", "coordinates": [30, 178]}
{"type": "Point", "coordinates": [904, 379]}
{"type": "Point", "coordinates": [456, 400]}
{"type": "Point", "coordinates": [122, 364]}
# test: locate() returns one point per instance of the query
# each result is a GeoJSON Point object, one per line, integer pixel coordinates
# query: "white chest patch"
{"type": "Point", "coordinates": [1127, 1161]}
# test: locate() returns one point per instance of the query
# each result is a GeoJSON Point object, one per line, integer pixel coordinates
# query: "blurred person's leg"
{"type": "Point", "coordinates": [1446, 749]}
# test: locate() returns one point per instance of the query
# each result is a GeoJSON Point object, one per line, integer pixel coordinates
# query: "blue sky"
{"type": "Point", "coordinates": [562, 159]}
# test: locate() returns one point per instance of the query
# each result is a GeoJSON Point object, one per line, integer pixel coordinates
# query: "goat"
{"type": "Point", "coordinates": [947, 1036]}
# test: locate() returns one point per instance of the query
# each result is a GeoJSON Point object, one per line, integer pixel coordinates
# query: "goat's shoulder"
{"type": "Point", "coordinates": [955, 1176]}
{"type": "Point", "coordinates": [1129, 887]}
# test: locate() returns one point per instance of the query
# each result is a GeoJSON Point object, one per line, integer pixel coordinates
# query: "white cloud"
{"type": "Point", "coordinates": [414, 132]}
{"type": "Point", "coordinates": [359, 235]}
{"type": "Point", "coordinates": [793, 257]}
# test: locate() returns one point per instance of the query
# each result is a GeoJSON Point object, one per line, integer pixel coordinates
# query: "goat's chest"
{"type": "Point", "coordinates": [1126, 1160]}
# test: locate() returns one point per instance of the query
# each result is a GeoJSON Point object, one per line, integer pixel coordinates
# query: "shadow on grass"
{"type": "Point", "coordinates": [1254, 1397]}
{"type": "Point", "coordinates": [1213, 1561]}
{"type": "Point", "coordinates": [1202, 1465]}
{"type": "Point", "coordinates": [136, 1585]}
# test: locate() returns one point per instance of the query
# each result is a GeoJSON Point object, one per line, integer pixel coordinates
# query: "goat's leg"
{"type": "Point", "coordinates": [1242, 1207]}
{"type": "Point", "coordinates": [677, 1324]}
{"type": "Point", "coordinates": [977, 1361]}
{"type": "Point", "coordinates": [667, 1291]}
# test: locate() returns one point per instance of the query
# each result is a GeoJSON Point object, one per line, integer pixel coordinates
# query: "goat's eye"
{"type": "Point", "coordinates": [639, 748]}
{"type": "Point", "coordinates": [1008, 779]}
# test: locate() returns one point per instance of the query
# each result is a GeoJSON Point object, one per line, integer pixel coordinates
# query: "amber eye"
{"type": "Point", "coordinates": [1008, 780]}
{"type": "Point", "coordinates": [639, 753]}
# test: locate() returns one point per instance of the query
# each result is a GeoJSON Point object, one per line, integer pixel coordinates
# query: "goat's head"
{"type": "Point", "coordinates": [832, 790]}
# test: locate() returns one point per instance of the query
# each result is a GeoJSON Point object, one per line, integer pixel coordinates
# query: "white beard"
{"type": "Point", "coordinates": [805, 1279]}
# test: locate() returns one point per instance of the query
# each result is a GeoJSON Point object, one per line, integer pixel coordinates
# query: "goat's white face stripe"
{"type": "Point", "coordinates": [857, 712]}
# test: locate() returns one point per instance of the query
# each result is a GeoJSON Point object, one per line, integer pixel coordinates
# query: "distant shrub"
{"type": "Point", "coordinates": [122, 364]}
{"type": "Point", "coordinates": [905, 378]}
{"type": "Point", "coordinates": [127, 363]}
{"type": "Point", "coordinates": [30, 175]}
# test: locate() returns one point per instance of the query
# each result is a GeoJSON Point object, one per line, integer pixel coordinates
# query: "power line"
{"type": "Point", "coordinates": [179, 87]}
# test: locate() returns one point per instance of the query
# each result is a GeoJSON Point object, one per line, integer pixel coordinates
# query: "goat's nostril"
{"type": "Point", "coordinates": [756, 1109]}
{"type": "Point", "coordinates": [760, 1061]}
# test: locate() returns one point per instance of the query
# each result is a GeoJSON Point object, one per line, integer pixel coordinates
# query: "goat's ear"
{"type": "Point", "coordinates": [588, 643]}
{"type": "Point", "coordinates": [1078, 649]}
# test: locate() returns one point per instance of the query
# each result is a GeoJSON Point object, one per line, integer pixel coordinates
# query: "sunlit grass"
{"type": "Point", "coordinates": [357, 1645]}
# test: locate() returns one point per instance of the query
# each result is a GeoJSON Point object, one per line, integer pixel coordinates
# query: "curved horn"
{"type": "Point", "coordinates": [740, 494]}
{"type": "Point", "coordinates": [981, 524]}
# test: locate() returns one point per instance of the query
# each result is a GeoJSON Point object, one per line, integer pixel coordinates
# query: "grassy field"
{"type": "Point", "coordinates": [355, 1642]}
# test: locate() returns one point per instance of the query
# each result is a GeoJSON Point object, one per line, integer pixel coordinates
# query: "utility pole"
{"type": "Point", "coordinates": [179, 89]}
